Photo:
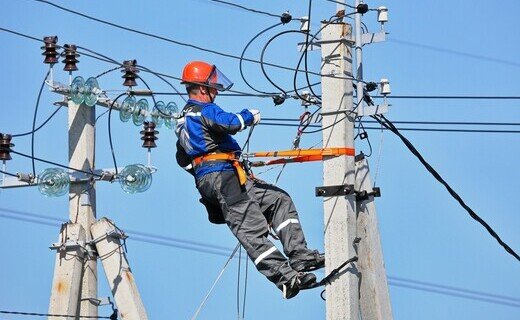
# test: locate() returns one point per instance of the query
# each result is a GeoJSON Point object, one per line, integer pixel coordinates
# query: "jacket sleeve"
{"type": "Point", "coordinates": [226, 122]}
{"type": "Point", "coordinates": [183, 159]}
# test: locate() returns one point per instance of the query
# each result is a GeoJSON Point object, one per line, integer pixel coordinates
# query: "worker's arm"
{"type": "Point", "coordinates": [183, 159]}
{"type": "Point", "coordinates": [227, 122]}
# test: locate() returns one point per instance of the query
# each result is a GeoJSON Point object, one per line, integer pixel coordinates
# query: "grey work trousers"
{"type": "Point", "coordinates": [248, 210]}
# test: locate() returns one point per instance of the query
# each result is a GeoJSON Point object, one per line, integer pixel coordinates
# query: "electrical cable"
{"type": "Point", "coordinates": [402, 129]}
{"type": "Point", "coordinates": [263, 52]}
{"type": "Point", "coordinates": [110, 130]}
{"type": "Point", "coordinates": [342, 3]}
{"type": "Point", "coordinates": [158, 75]}
{"type": "Point", "coordinates": [55, 315]}
{"type": "Point", "coordinates": [242, 58]}
{"type": "Point", "coordinates": [106, 72]}
{"type": "Point", "coordinates": [238, 282]}
{"type": "Point", "coordinates": [100, 55]}
{"type": "Point", "coordinates": [306, 54]}
{"type": "Point", "coordinates": [452, 97]}
{"type": "Point", "coordinates": [473, 123]}
{"type": "Point", "coordinates": [9, 174]}
{"type": "Point", "coordinates": [227, 55]}
{"type": "Point", "coordinates": [388, 124]}
{"type": "Point", "coordinates": [34, 122]}
{"type": "Point", "coordinates": [248, 9]}
{"type": "Point", "coordinates": [245, 291]}
{"type": "Point", "coordinates": [55, 164]}
{"type": "Point", "coordinates": [305, 51]}
{"type": "Point", "coordinates": [393, 281]}
{"type": "Point", "coordinates": [214, 284]}
{"type": "Point", "coordinates": [40, 126]}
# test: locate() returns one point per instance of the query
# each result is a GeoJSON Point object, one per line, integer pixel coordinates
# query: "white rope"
{"type": "Point", "coordinates": [215, 283]}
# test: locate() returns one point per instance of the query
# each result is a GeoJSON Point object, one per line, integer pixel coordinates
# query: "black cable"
{"type": "Point", "coordinates": [385, 122]}
{"type": "Point", "coordinates": [422, 122]}
{"type": "Point", "coordinates": [368, 140]}
{"type": "Point", "coordinates": [161, 75]}
{"type": "Point", "coordinates": [110, 130]}
{"type": "Point", "coordinates": [40, 126]}
{"type": "Point", "coordinates": [152, 95]}
{"type": "Point", "coordinates": [158, 75]}
{"type": "Point", "coordinates": [34, 122]}
{"type": "Point", "coordinates": [242, 58]}
{"type": "Point", "coordinates": [54, 163]}
{"type": "Point", "coordinates": [248, 9]}
{"type": "Point", "coordinates": [227, 55]}
{"type": "Point", "coordinates": [101, 55]}
{"type": "Point", "coordinates": [9, 174]}
{"type": "Point", "coordinates": [343, 3]}
{"type": "Point", "coordinates": [304, 55]}
{"type": "Point", "coordinates": [52, 315]}
{"type": "Point", "coordinates": [452, 97]}
{"type": "Point", "coordinates": [403, 129]}
{"type": "Point", "coordinates": [263, 52]}
{"type": "Point", "coordinates": [393, 281]}
{"type": "Point", "coordinates": [106, 72]}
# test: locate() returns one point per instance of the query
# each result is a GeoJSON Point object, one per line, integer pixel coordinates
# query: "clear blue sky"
{"type": "Point", "coordinates": [426, 235]}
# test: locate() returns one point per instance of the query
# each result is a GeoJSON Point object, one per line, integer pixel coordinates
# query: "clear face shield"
{"type": "Point", "coordinates": [218, 80]}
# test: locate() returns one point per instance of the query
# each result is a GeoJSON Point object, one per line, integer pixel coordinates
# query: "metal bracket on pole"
{"type": "Point", "coordinates": [372, 110]}
{"type": "Point", "coordinates": [365, 195]}
{"type": "Point", "coordinates": [368, 38]}
{"type": "Point", "coordinates": [69, 245]}
{"type": "Point", "coordinates": [334, 191]}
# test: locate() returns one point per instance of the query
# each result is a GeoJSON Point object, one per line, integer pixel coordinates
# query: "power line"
{"type": "Point", "coordinates": [113, 317]}
{"type": "Point", "coordinates": [452, 97]}
{"type": "Point", "coordinates": [248, 9]}
{"type": "Point", "coordinates": [402, 129]}
{"type": "Point", "coordinates": [180, 43]}
{"type": "Point", "coordinates": [225, 252]}
{"type": "Point", "coordinates": [54, 163]}
{"type": "Point", "coordinates": [424, 122]}
{"type": "Point", "coordinates": [460, 53]}
{"type": "Point", "coordinates": [453, 294]}
{"type": "Point", "coordinates": [388, 124]}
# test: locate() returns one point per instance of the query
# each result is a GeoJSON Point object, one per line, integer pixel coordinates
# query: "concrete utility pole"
{"type": "Point", "coordinates": [82, 208]}
{"type": "Point", "coordinates": [117, 270]}
{"type": "Point", "coordinates": [350, 226]}
{"type": "Point", "coordinates": [339, 211]}
{"type": "Point", "coordinates": [374, 297]}
{"type": "Point", "coordinates": [82, 195]}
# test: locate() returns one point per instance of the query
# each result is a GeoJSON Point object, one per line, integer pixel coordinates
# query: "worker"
{"type": "Point", "coordinates": [248, 206]}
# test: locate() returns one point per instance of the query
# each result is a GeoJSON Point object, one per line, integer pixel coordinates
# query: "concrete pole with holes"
{"type": "Point", "coordinates": [374, 297]}
{"type": "Point", "coordinates": [108, 242]}
{"type": "Point", "coordinates": [82, 212]}
{"type": "Point", "coordinates": [66, 283]}
{"type": "Point", "coordinates": [342, 295]}
{"type": "Point", "coordinates": [82, 195]}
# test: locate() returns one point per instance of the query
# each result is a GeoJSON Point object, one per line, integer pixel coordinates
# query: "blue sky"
{"type": "Point", "coordinates": [434, 48]}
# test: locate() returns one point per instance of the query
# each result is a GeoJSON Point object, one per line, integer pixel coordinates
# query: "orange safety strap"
{"type": "Point", "coordinates": [286, 160]}
{"type": "Point", "coordinates": [214, 157]}
{"type": "Point", "coordinates": [306, 152]}
{"type": "Point", "coordinates": [231, 157]}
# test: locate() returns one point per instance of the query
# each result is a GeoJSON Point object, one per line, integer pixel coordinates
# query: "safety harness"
{"type": "Point", "coordinates": [288, 156]}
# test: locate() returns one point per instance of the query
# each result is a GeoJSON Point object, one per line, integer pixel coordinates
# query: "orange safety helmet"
{"type": "Point", "coordinates": [203, 73]}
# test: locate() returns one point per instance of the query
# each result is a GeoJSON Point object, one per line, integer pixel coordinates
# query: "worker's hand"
{"type": "Point", "coordinates": [256, 115]}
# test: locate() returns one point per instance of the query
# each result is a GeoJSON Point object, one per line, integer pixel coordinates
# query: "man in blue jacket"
{"type": "Point", "coordinates": [248, 206]}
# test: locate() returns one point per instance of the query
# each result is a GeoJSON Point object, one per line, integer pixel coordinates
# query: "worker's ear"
{"type": "Point", "coordinates": [203, 90]}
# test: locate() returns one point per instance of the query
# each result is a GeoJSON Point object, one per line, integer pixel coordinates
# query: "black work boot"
{"type": "Point", "coordinates": [301, 281]}
{"type": "Point", "coordinates": [314, 262]}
